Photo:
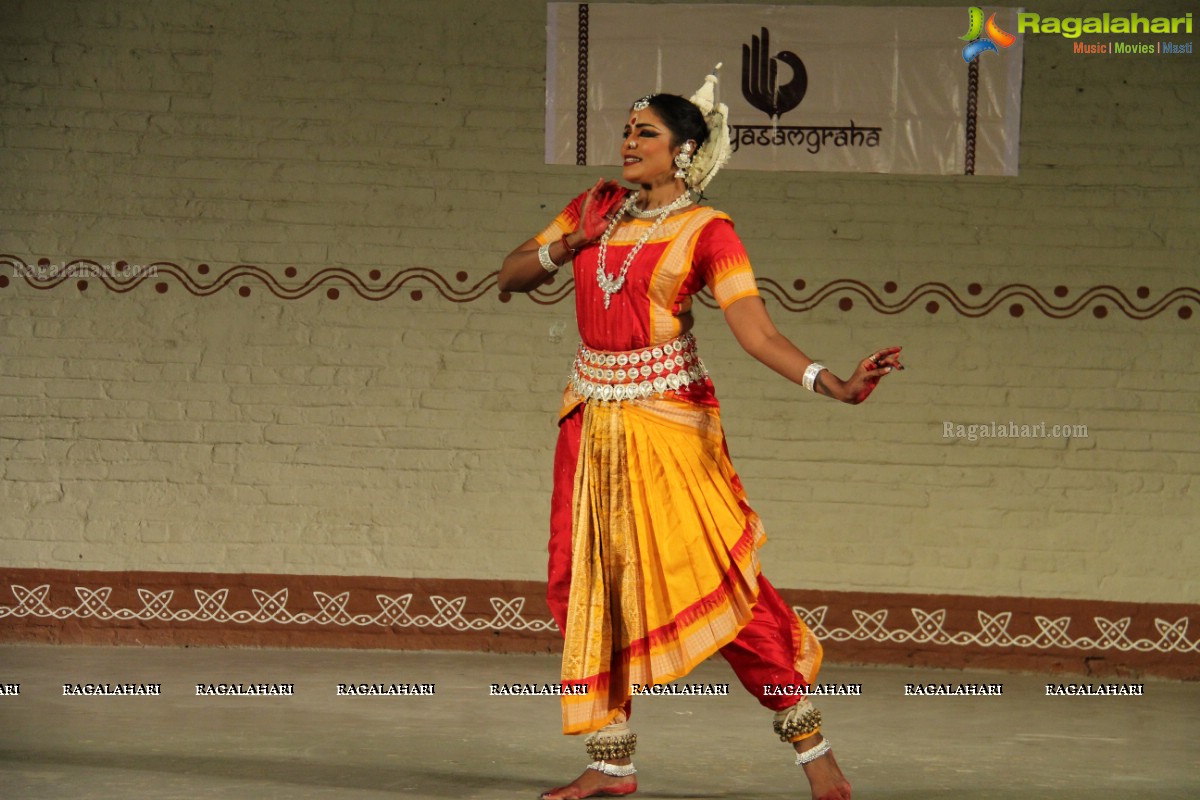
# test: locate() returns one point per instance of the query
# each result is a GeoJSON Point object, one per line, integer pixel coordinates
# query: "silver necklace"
{"type": "Point", "coordinates": [651, 213]}
{"type": "Point", "coordinates": [609, 284]}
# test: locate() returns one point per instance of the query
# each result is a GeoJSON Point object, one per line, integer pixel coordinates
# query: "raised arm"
{"type": "Point", "coordinates": [758, 336]}
{"type": "Point", "coordinates": [523, 269]}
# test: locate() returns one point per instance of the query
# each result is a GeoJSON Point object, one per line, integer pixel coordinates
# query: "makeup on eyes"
{"type": "Point", "coordinates": [645, 129]}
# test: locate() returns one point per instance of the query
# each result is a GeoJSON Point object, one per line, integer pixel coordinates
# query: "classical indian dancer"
{"type": "Point", "coordinates": [653, 545]}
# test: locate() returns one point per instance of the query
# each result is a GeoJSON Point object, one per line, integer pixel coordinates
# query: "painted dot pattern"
{"type": "Point", "coordinates": [1058, 301]}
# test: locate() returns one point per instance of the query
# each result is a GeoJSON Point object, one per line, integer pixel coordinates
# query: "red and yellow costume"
{"type": "Point", "coordinates": [653, 546]}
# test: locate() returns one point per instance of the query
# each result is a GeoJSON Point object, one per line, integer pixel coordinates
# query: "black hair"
{"type": "Point", "coordinates": [681, 117]}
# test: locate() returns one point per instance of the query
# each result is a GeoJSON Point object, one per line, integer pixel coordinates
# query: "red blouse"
{"type": "Point", "coordinates": [690, 250]}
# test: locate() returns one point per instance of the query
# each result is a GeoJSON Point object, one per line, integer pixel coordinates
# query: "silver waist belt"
{"type": "Point", "coordinates": [636, 374]}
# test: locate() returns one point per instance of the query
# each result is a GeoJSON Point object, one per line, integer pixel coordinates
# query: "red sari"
{"type": "Point", "coordinates": [653, 548]}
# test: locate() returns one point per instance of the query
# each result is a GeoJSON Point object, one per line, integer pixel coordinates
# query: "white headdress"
{"type": "Point", "coordinates": [717, 148]}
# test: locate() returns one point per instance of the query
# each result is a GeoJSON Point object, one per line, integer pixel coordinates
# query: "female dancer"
{"type": "Point", "coordinates": [653, 547]}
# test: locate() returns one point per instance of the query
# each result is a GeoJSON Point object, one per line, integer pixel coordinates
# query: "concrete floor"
{"type": "Point", "coordinates": [463, 743]}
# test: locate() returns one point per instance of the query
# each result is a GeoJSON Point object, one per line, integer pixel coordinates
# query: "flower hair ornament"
{"type": "Point", "coordinates": [715, 152]}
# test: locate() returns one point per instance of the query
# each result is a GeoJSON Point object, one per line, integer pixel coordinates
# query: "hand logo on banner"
{"type": "Point", "coordinates": [760, 77]}
{"type": "Point", "coordinates": [975, 26]}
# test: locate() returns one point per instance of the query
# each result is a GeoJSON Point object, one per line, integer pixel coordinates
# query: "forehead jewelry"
{"type": "Point", "coordinates": [642, 103]}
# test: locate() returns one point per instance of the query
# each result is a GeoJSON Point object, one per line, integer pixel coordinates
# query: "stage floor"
{"type": "Point", "coordinates": [461, 741]}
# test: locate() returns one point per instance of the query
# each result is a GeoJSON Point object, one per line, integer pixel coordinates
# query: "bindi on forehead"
{"type": "Point", "coordinates": [641, 115]}
{"type": "Point", "coordinates": [633, 124]}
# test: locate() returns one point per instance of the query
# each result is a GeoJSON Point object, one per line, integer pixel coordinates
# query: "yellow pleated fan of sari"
{"type": "Point", "coordinates": [663, 574]}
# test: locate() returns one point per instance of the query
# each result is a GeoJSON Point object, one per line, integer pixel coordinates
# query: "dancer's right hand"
{"type": "Point", "coordinates": [601, 203]}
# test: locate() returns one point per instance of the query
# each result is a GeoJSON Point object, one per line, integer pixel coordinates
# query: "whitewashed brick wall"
{"type": "Point", "coordinates": [414, 438]}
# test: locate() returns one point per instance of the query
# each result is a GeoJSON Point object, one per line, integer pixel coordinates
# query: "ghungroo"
{"type": "Point", "coordinates": [604, 747]}
{"type": "Point", "coordinates": [797, 722]}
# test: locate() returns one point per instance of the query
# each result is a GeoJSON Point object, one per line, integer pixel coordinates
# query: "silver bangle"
{"type": "Point", "coordinates": [813, 753]}
{"type": "Point", "coordinates": [810, 375]}
{"type": "Point", "coordinates": [545, 259]}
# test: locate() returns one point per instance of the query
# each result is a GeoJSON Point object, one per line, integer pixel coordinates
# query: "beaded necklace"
{"type": "Point", "coordinates": [609, 284]}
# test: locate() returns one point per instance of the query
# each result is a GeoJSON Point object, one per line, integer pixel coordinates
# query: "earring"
{"type": "Point", "coordinates": [683, 160]}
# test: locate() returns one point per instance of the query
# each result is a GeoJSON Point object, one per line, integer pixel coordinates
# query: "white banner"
{"type": "Point", "coordinates": [809, 88]}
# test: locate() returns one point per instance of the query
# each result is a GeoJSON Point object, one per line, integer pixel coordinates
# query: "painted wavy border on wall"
{"type": "Point", "coordinates": [932, 296]}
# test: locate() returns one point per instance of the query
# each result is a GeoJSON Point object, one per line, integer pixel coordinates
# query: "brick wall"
{"type": "Point", "coordinates": [274, 425]}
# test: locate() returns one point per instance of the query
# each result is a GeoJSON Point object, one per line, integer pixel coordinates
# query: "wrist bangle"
{"type": "Point", "coordinates": [810, 375]}
{"type": "Point", "coordinates": [570, 251]}
{"type": "Point", "coordinates": [544, 258]}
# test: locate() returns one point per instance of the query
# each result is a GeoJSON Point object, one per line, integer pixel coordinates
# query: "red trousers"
{"type": "Point", "coordinates": [764, 652]}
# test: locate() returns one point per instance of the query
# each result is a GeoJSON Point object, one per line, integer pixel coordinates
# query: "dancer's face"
{"type": "Point", "coordinates": [647, 156]}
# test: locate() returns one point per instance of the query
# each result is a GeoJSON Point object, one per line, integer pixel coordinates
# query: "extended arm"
{"type": "Point", "coordinates": [759, 337]}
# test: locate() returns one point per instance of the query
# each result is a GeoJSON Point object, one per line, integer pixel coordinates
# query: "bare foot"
{"type": "Point", "coordinates": [824, 775]}
{"type": "Point", "coordinates": [593, 783]}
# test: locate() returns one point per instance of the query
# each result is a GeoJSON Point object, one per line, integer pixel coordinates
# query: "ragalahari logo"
{"type": "Point", "coordinates": [976, 45]}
